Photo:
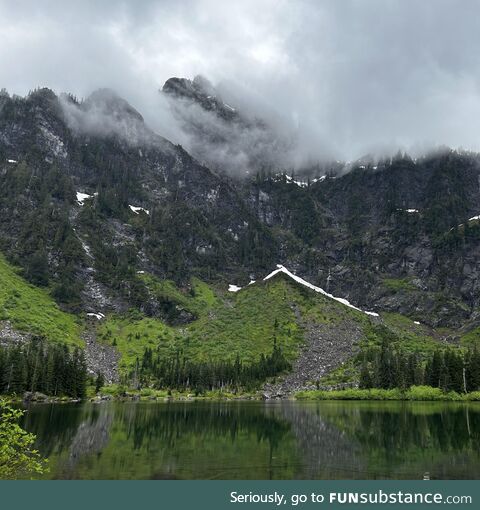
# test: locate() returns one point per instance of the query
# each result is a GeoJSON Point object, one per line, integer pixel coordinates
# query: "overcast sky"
{"type": "Point", "coordinates": [351, 76]}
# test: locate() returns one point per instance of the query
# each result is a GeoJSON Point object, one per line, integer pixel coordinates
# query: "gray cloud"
{"type": "Point", "coordinates": [343, 78]}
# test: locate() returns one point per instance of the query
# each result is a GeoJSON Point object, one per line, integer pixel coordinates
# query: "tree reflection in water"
{"type": "Point", "coordinates": [259, 440]}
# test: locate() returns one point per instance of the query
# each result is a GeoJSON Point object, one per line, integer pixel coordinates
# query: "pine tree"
{"type": "Point", "coordinates": [366, 381]}
{"type": "Point", "coordinates": [472, 368]}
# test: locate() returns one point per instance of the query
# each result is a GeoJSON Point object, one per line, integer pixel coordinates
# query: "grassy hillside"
{"type": "Point", "coordinates": [247, 322]}
{"type": "Point", "coordinates": [229, 324]}
{"type": "Point", "coordinates": [225, 325]}
{"type": "Point", "coordinates": [471, 338]}
{"type": "Point", "coordinates": [32, 310]}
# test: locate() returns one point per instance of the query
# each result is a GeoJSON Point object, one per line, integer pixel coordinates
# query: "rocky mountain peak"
{"type": "Point", "coordinates": [109, 103]}
{"type": "Point", "coordinates": [200, 92]}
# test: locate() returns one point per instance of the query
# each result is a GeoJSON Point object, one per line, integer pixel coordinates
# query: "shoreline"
{"type": "Point", "coordinates": [413, 394]}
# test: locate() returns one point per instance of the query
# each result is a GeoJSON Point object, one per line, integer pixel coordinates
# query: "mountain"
{"type": "Point", "coordinates": [134, 242]}
{"type": "Point", "coordinates": [222, 135]}
{"type": "Point", "coordinates": [388, 233]}
{"type": "Point", "coordinates": [54, 148]}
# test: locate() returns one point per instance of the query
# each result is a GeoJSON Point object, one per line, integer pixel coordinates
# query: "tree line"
{"type": "Point", "coordinates": [447, 369]}
{"type": "Point", "coordinates": [178, 372]}
{"type": "Point", "coordinates": [40, 367]}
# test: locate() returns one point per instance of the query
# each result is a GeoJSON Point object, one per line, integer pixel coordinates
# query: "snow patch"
{"type": "Point", "coordinates": [86, 248]}
{"type": "Point", "coordinates": [473, 218]}
{"type": "Point", "coordinates": [282, 269]}
{"type": "Point", "coordinates": [54, 142]}
{"type": "Point", "coordinates": [212, 195]}
{"type": "Point", "coordinates": [98, 315]}
{"type": "Point", "coordinates": [233, 288]}
{"type": "Point", "coordinates": [81, 197]}
{"type": "Point", "coordinates": [301, 184]}
{"type": "Point", "coordinates": [137, 210]}
{"type": "Point", "coordinates": [233, 234]}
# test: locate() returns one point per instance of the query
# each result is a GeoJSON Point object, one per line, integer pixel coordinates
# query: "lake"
{"type": "Point", "coordinates": [258, 440]}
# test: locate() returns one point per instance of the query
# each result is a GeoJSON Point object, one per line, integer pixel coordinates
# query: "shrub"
{"type": "Point", "coordinates": [17, 457]}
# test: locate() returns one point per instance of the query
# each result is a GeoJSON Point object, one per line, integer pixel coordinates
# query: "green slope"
{"type": "Point", "coordinates": [32, 310]}
{"type": "Point", "coordinates": [228, 324]}
{"type": "Point", "coordinates": [246, 323]}
{"type": "Point", "coordinates": [225, 325]}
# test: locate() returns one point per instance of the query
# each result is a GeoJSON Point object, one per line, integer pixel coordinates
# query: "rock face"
{"type": "Point", "coordinates": [101, 359]}
{"type": "Point", "coordinates": [10, 336]}
{"type": "Point", "coordinates": [327, 346]}
{"type": "Point", "coordinates": [382, 236]}
{"type": "Point", "coordinates": [201, 92]}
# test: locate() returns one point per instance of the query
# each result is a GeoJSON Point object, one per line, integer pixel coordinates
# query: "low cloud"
{"type": "Point", "coordinates": [339, 79]}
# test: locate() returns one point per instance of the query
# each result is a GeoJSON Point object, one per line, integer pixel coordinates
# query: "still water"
{"type": "Point", "coordinates": [258, 440]}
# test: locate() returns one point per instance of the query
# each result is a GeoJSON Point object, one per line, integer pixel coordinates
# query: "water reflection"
{"type": "Point", "coordinates": [257, 440]}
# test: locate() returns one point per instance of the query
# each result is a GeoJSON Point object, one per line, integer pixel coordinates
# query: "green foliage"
{"type": "Point", "coordinates": [179, 373]}
{"type": "Point", "coordinates": [399, 284]}
{"type": "Point", "coordinates": [32, 310]}
{"type": "Point", "coordinates": [39, 196]}
{"type": "Point", "coordinates": [172, 301]}
{"type": "Point", "coordinates": [245, 324]}
{"type": "Point", "coordinates": [471, 338]}
{"type": "Point", "coordinates": [40, 367]}
{"type": "Point", "coordinates": [99, 382]}
{"type": "Point", "coordinates": [447, 369]}
{"type": "Point", "coordinates": [403, 332]}
{"type": "Point", "coordinates": [131, 334]}
{"type": "Point", "coordinates": [242, 324]}
{"type": "Point", "coordinates": [414, 393]}
{"type": "Point", "coordinates": [17, 457]}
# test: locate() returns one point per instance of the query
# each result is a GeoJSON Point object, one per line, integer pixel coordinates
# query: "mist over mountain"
{"type": "Point", "coordinates": [222, 135]}
{"type": "Point", "coordinates": [337, 81]}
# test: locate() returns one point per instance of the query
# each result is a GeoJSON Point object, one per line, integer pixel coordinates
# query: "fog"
{"type": "Point", "coordinates": [334, 79]}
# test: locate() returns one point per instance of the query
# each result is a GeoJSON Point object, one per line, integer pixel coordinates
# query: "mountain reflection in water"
{"type": "Point", "coordinates": [258, 440]}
